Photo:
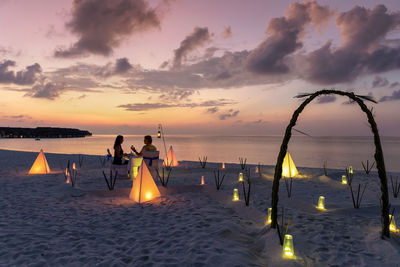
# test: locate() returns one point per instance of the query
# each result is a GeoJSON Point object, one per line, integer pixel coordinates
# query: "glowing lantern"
{"type": "Point", "coordinates": [392, 226]}
{"type": "Point", "coordinates": [202, 180]}
{"type": "Point", "coordinates": [68, 178]}
{"type": "Point", "coordinates": [135, 164]}
{"type": "Point", "coordinates": [351, 171]}
{"type": "Point", "coordinates": [170, 159]}
{"type": "Point", "coordinates": [73, 166]}
{"type": "Point", "coordinates": [241, 177]}
{"type": "Point", "coordinates": [269, 218]}
{"type": "Point", "coordinates": [321, 203]}
{"type": "Point", "coordinates": [288, 167]}
{"type": "Point", "coordinates": [159, 134]}
{"type": "Point", "coordinates": [344, 179]}
{"type": "Point", "coordinates": [223, 165]}
{"type": "Point", "coordinates": [144, 188]}
{"type": "Point", "coordinates": [256, 171]}
{"type": "Point", "coordinates": [288, 250]}
{"type": "Point", "coordinates": [40, 165]}
{"type": "Point", "coordinates": [235, 195]}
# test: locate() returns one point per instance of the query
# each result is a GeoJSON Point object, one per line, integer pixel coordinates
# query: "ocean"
{"type": "Point", "coordinates": [338, 152]}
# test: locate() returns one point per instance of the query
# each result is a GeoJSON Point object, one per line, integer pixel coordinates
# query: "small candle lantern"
{"type": "Point", "coordinates": [321, 203]}
{"type": "Point", "coordinates": [351, 171]}
{"type": "Point", "coordinates": [269, 218]}
{"type": "Point", "coordinates": [235, 194]}
{"type": "Point", "coordinates": [202, 180]}
{"type": "Point", "coordinates": [344, 179]}
{"type": "Point", "coordinates": [223, 165]}
{"type": "Point", "coordinates": [159, 134]}
{"type": "Point", "coordinates": [241, 177]}
{"type": "Point", "coordinates": [392, 226]}
{"type": "Point", "coordinates": [288, 250]}
{"type": "Point", "coordinates": [73, 166]}
{"type": "Point", "coordinates": [67, 176]}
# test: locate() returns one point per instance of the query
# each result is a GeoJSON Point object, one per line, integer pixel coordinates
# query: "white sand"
{"type": "Point", "coordinates": [44, 221]}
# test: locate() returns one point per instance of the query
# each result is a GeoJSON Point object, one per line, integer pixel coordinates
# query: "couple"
{"type": "Point", "coordinates": [119, 152]}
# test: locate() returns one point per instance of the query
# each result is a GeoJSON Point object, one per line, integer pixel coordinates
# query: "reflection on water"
{"type": "Point", "coordinates": [306, 151]}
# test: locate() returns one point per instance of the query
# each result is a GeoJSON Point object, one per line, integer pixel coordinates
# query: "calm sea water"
{"type": "Point", "coordinates": [339, 152]}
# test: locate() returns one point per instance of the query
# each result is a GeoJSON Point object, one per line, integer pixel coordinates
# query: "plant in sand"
{"type": "Point", "coordinates": [110, 181]}
{"type": "Point", "coordinates": [203, 162]}
{"type": "Point", "coordinates": [288, 185]}
{"type": "Point", "coordinates": [367, 168]}
{"type": "Point", "coordinates": [357, 200]}
{"type": "Point", "coordinates": [163, 176]}
{"type": "Point", "coordinates": [218, 180]}
{"type": "Point", "coordinates": [281, 229]}
{"type": "Point", "coordinates": [80, 160]}
{"type": "Point", "coordinates": [242, 162]}
{"type": "Point", "coordinates": [325, 165]}
{"type": "Point", "coordinates": [395, 187]}
{"type": "Point", "coordinates": [103, 161]}
{"type": "Point", "coordinates": [246, 193]}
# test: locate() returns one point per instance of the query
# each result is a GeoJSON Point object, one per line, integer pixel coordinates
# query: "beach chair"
{"type": "Point", "coordinates": [151, 159]}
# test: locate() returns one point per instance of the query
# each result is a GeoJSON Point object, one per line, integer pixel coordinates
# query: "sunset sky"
{"type": "Point", "coordinates": [199, 67]}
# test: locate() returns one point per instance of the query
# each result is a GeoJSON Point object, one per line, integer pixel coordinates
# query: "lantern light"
{"type": "Point", "coordinates": [241, 177]}
{"type": "Point", "coordinates": [344, 179]}
{"type": "Point", "coordinates": [235, 194]}
{"type": "Point", "coordinates": [321, 203]}
{"type": "Point", "coordinates": [269, 218]}
{"type": "Point", "coordinates": [256, 170]}
{"type": "Point", "coordinates": [392, 226]}
{"type": "Point", "coordinates": [223, 165]}
{"type": "Point", "coordinates": [288, 167]}
{"type": "Point", "coordinates": [73, 166]}
{"type": "Point", "coordinates": [40, 166]}
{"type": "Point", "coordinates": [159, 134]}
{"type": "Point", "coordinates": [68, 179]}
{"type": "Point", "coordinates": [202, 180]}
{"type": "Point", "coordinates": [288, 250]}
{"type": "Point", "coordinates": [351, 171]}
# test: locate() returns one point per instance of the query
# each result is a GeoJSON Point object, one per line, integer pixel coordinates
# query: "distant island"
{"type": "Point", "coordinates": [42, 132]}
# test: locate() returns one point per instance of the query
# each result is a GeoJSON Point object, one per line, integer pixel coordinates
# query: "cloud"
{"type": "Point", "coordinates": [47, 90]}
{"type": "Point", "coordinates": [326, 99]}
{"type": "Point", "coordinates": [379, 82]}
{"type": "Point", "coordinates": [271, 56]}
{"type": "Point", "coordinates": [23, 77]}
{"type": "Point", "coordinates": [121, 66]}
{"type": "Point", "coordinates": [229, 114]}
{"type": "Point", "coordinates": [362, 50]}
{"type": "Point", "coordinates": [227, 32]}
{"type": "Point", "coordinates": [212, 110]}
{"type": "Point", "coordinates": [198, 38]}
{"type": "Point", "coordinates": [177, 95]}
{"type": "Point", "coordinates": [395, 96]}
{"type": "Point", "coordinates": [394, 84]}
{"type": "Point", "coordinates": [103, 24]}
{"type": "Point", "coordinates": [154, 106]}
{"type": "Point", "coordinates": [18, 117]}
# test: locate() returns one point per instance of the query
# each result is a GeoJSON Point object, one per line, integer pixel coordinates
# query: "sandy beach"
{"type": "Point", "coordinates": [46, 222]}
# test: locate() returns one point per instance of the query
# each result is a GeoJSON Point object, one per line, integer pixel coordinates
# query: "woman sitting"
{"type": "Point", "coordinates": [147, 147]}
{"type": "Point", "coordinates": [118, 151]}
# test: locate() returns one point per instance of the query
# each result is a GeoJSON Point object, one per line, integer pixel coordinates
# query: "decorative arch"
{"type": "Point", "coordinates": [380, 162]}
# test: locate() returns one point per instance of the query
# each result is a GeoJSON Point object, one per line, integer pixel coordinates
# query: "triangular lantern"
{"type": "Point", "coordinates": [144, 188]}
{"type": "Point", "coordinates": [288, 167]}
{"type": "Point", "coordinates": [40, 165]}
{"type": "Point", "coordinates": [170, 159]}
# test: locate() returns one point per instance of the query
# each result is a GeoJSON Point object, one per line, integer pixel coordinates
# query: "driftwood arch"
{"type": "Point", "coordinates": [380, 163]}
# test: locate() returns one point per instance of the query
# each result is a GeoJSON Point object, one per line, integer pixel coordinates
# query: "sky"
{"type": "Point", "coordinates": [217, 67]}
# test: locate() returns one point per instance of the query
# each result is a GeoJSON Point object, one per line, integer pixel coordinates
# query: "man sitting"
{"type": "Point", "coordinates": [147, 147]}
